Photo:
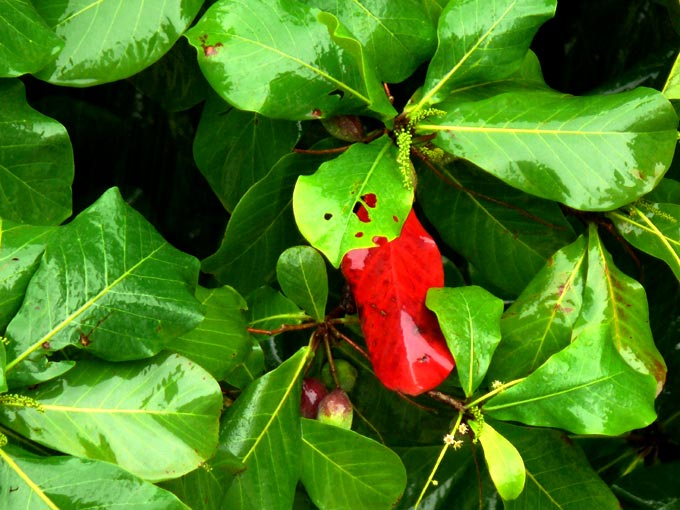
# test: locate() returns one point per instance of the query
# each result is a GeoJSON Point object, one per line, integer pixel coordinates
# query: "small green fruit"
{"type": "Point", "coordinates": [347, 375]}
{"type": "Point", "coordinates": [336, 409]}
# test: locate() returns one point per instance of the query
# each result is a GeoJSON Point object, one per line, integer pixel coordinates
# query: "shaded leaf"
{"type": "Point", "coordinates": [161, 403]}
{"type": "Point", "coordinates": [262, 429]}
{"type": "Point", "coordinates": [469, 318]}
{"type": "Point", "coordinates": [650, 487]}
{"type": "Point", "coordinates": [353, 199]}
{"type": "Point", "coordinates": [36, 162]}
{"type": "Point", "coordinates": [235, 149]}
{"type": "Point", "coordinates": [109, 41]}
{"type": "Point", "coordinates": [221, 341]}
{"type": "Point", "coordinates": [269, 309]}
{"type": "Point", "coordinates": [109, 283]}
{"type": "Point", "coordinates": [344, 470]}
{"type": "Point", "coordinates": [301, 272]}
{"type": "Point", "coordinates": [248, 370]}
{"type": "Point", "coordinates": [37, 483]}
{"type": "Point", "coordinates": [307, 65]}
{"type": "Point", "coordinates": [549, 144]}
{"type": "Point", "coordinates": [540, 322]}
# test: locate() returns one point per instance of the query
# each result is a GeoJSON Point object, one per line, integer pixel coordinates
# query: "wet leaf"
{"type": "Point", "coordinates": [301, 272]}
{"type": "Point", "coordinates": [470, 318]}
{"type": "Point", "coordinates": [353, 199]}
{"type": "Point", "coordinates": [160, 402]}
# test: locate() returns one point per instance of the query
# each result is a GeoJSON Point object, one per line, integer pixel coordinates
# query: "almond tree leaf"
{"type": "Point", "coordinates": [3, 361]}
{"type": "Point", "coordinates": [38, 483]}
{"type": "Point", "coordinates": [549, 144]}
{"type": "Point", "coordinates": [470, 319]}
{"type": "Point", "coordinates": [352, 199]}
{"type": "Point", "coordinates": [480, 42]}
{"type": "Point", "coordinates": [301, 272]}
{"type": "Point", "coordinates": [109, 41]}
{"type": "Point", "coordinates": [262, 429]}
{"type": "Point", "coordinates": [27, 44]}
{"type": "Point", "coordinates": [285, 60]}
{"type": "Point", "coordinates": [36, 162]}
{"type": "Point", "coordinates": [540, 321]}
{"type": "Point", "coordinates": [671, 88]}
{"type": "Point", "coordinates": [160, 403]}
{"type": "Point", "coordinates": [345, 470]}
{"type": "Point", "coordinates": [269, 309]}
{"type": "Point", "coordinates": [235, 149]}
{"type": "Point", "coordinates": [108, 283]}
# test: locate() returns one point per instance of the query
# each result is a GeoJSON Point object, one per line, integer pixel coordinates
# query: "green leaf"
{"type": "Point", "coordinates": [247, 371]}
{"type": "Point", "coordinates": [262, 429]}
{"type": "Point", "coordinates": [560, 480]}
{"type": "Point", "coordinates": [159, 403]}
{"type": "Point", "coordinates": [586, 388]}
{"type": "Point", "coordinates": [506, 234]}
{"type": "Point", "coordinates": [653, 228]}
{"type": "Point", "coordinates": [27, 44]}
{"type": "Point", "coordinates": [261, 227]}
{"type": "Point", "coordinates": [3, 361]}
{"type": "Point", "coordinates": [235, 149]}
{"type": "Point", "coordinates": [221, 341]}
{"type": "Point", "coordinates": [549, 144]}
{"type": "Point", "coordinates": [269, 309]}
{"type": "Point", "coordinates": [21, 247]}
{"type": "Point", "coordinates": [481, 42]}
{"type": "Point", "coordinates": [109, 41]}
{"type": "Point", "coordinates": [396, 36]}
{"type": "Point", "coordinates": [505, 464]}
{"type": "Point", "coordinates": [329, 204]}
{"type": "Point", "coordinates": [671, 88]}
{"type": "Point", "coordinates": [540, 322]}
{"type": "Point", "coordinates": [344, 470]}
{"type": "Point", "coordinates": [301, 272]}
{"type": "Point", "coordinates": [58, 482]}
{"type": "Point", "coordinates": [650, 487]}
{"type": "Point", "coordinates": [36, 162]}
{"type": "Point", "coordinates": [307, 65]}
{"type": "Point", "coordinates": [470, 320]}
{"type": "Point", "coordinates": [109, 283]}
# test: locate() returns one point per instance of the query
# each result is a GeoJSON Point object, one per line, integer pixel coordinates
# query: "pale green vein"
{"type": "Point", "coordinates": [27, 480]}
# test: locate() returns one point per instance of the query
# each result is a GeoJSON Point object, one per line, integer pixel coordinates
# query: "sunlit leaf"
{"type": "Point", "coordinates": [301, 272]}
{"type": "Point", "coordinates": [671, 88]}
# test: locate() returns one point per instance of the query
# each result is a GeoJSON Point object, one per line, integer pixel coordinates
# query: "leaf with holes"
{"type": "Point", "coordinates": [406, 346]}
{"type": "Point", "coordinates": [352, 200]}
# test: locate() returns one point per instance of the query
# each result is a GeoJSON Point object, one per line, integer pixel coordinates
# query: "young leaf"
{"type": "Point", "coordinates": [307, 65]}
{"type": "Point", "coordinates": [540, 322]}
{"type": "Point", "coordinates": [262, 429]}
{"type": "Point", "coordinates": [57, 482]}
{"type": "Point", "coordinates": [470, 318]}
{"type": "Point", "coordinates": [301, 272]}
{"type": "Point", "coordinates": [353, 199]}
{"type": "Point", "coordinates": [586, 388]}
{"type": "Point", "coordinates": [37, 161]}
{"type": "Point", "coordinates": [133, 291]}
{"type": "Point", "coordinates": [221, 341]}
{"type": "Point", "coordinates": [235, 149]}
{"type": "Point", "coordinates": [480, 42]}
{"type": "Point", "coordinates": [109, 41]}
{"type": "Point", "coordinates": [27, 44]}
{"type": "Point", "coordinates": [548, 144]}
{"type": "Point", "coordinates": [505, 464]}
{"type": "Point", "coordinates": [344, 470]}
{"type": "Point", "coordinates": [160, 403]}
{"type": "Point", "coordinates": [406, 346]}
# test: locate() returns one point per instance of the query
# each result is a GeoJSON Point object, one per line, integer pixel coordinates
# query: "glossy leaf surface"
{"type": "Point", "coordinates": [260, 228]}
{"type": "Point", "coordinates": [235, 149]}
{"type": "Point", "coordinates": [109, 41]}
{"type": "Point", "coordinates": [406, 346]}
{"type": "Point", "coordinates": [109, 283]}
{"type": "Point", "coordinates": [60, 482]}
{"type": "Point", "coordinates": [342, 469]}
{"type": "Point", "coordinates": [262, 429]}
{"type": "Point", "coordinates": [161, 403]}
{"type": "Point", "coordinates": [540, 322]}
{"type": "Point", "coordinates": [220, 342]}
{"type": "Point", "coordinates": [286, 60]}
{"type": "Point", "coordinates": [549, 144]}
{"type": "Point", "coordinates": [36, 162]}
{"type": "Point", "coordinates": [26, 42]}
{"type": "Point", "coordinates": [470, 319]}
{"type": "Point", "coordinates": [301, 272]}
{"type": "Point", "coordinates": [269, 309]}
{"type": "Point", "coordinates": [505, 233]}
{"type": "Point", "coordinates": [352, 199]}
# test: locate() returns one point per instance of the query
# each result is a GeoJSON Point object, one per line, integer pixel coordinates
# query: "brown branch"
{"type": "Point", "coordinates": [283, 329]}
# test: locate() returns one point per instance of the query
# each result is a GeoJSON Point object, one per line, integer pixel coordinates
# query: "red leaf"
{"type": "Point", "coordinates": [389, 283]}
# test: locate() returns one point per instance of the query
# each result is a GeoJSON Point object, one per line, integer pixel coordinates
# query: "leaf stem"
{"type": "Point", "coordinates": [494, 392]}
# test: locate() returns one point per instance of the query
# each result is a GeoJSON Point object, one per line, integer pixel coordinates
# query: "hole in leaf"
{"type": "Point", "coordinates": [327, 216]}
{"type": "Point", "coordinates": [396, 220]}
{"type": "Point", "coordinates": [379, 240]}
{"type": "Point", "coordinates": [337, 92]}
{"type": "Point", "coordinates": [359, 234]}
{"type": "Point", "coordinates": [370, 199]}
{"type": "Point", "coordinates": [361, 212]}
